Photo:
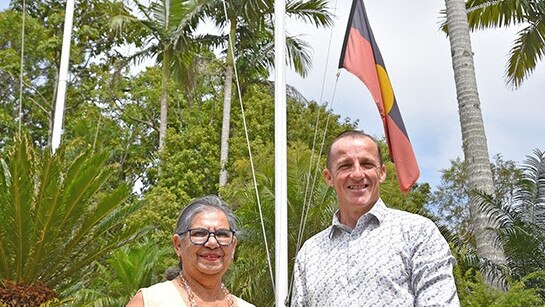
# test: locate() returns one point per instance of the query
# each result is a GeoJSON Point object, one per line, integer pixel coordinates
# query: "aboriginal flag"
{"type": "Point", "coordinates": [360, 56]}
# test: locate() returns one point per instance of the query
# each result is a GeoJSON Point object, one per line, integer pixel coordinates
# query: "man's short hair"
{"type": "Point", "coordinates": [353, 134]}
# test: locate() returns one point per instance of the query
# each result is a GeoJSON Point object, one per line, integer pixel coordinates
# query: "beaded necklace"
{"type": "Point", "coordinates": [191, 296]}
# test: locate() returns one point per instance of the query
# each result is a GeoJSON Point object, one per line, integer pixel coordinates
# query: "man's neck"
{"type": "Point", "coordinates": [351, 216]}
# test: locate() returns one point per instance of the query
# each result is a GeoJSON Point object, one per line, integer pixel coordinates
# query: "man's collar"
{"type": "Point", "coordinates": [378, 211]}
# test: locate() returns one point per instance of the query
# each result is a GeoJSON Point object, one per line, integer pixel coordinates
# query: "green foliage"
{"type": "Point", "coordinates": [36, 107]}
{"type": "Point", "coordinates": [520, 224]}
{"type": "Point", "coordinates": [168, 38]}
{"type": "Point", "coordinates": [531, 193]}
{"type": "Point", "coordinates": [529, 45]}
{"type": "Point", "coordinates": [111, 109]}
{"type": "Point", "coordinates": [306, 123]}
{"type": "Point", "coordinates": [253, 23]}
{"type": "Point", "coordinates": [450, 200]}
{"type": "Point", "coordinates": [391, 194]}
{"type": "Point", "coordinates": [190, 162]}
{"type": "Point", "coordinates": [474, 292]}
{"type": "Point", "coordinates": [160, 210]}
{"type": "Point", "coordinates": [56, 215]}
{"type": "Point", "coordinates": [91, 51]}
{"type": "Point", "coordinates": [159, 35]}
{"type": "Point", "coordinates": [128, 269]}
{"type": "Point", "coordinates": [259, 116]}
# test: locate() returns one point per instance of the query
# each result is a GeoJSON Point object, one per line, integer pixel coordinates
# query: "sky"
{"type": "Point", "coordinates": [417, 58]}
{"type": "Point", "coordinates": [418, 61]}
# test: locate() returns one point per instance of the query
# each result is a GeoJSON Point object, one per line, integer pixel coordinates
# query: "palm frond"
{"type": "Point", "coordinates": [146, 11]}
{"type": "Point", "coordinates": [119, 22]}
{"type": "Point", "coordinates": [531, 194]}
{"type": "Point", "coordinates": [527, 50]}
{"type": "Point", "coordinates": [298, 55]}
{"type": "Point", "coordinates": [498, 273]}
{"type": "Point", "coordinates": [157, 12]}
{"type": "Point", "coordinates": [128, 269]}
{"type": "Point", "coordinates": [139, 56]}
{"type": "Point", "coordinates": [315, 12]}
{"type": "Point", "coordinates": [483, 14]}
{"type": "Point", "coordinates": [73, 269]}
{"type": "Point", "coordinates": [185, 17]}
{"type": "Point", "coordinates": [5, 240]}
{"type": "Point", "coordinates": [18, 187]}
{"type": "Point", "coordinates": [67, 215]}
{"type": "Point", "coordinates": [518, 224]}
{"type": "Point", "coordinates": [101, 214]}
{"type": "Point", "coordinates": [22, 191]}
{"type": "Point", "coordinates": [46, 207]}
{"type": "Point", "coordinates": [498, 213]}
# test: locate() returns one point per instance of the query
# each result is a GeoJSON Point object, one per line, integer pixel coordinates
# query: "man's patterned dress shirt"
{"type": "Point", "coordinates": [391, 258]}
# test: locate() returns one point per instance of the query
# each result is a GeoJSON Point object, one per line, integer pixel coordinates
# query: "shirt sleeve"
{"type": "Point", "coordinates": [299, 289]}
{"type": "Point", "coordinates": [431, 278]}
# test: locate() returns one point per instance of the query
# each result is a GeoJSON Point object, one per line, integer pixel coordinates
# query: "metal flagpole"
{"type": "Point", "coordinates": [63, 76]}
{"type": "Point", "coordinates": [280, 157]}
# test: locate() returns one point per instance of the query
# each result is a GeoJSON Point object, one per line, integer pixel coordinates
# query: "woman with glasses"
{"type": "Point", "coordinates": [205, 241]}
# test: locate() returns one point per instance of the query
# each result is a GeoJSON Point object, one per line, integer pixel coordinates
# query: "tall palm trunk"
{"type": "Point", "coordinates": [229, 63]}
{"type": "Point", "coordinates": [52, 112]}
{"type": "Point", "coordinates": [165, 74]}
{"type": "Point", "coordinates": [473, 134]}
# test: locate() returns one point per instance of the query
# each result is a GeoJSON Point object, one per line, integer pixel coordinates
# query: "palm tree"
{"type": "Point", "coordinates": [473, 134]}
{"type": "Point", "coordinates": [521, 223]}
{"type": "Point", "coordinates": [57, 218]}
{"type": "Point", "coordinates": [532, 191]}
{"type": "Point", "coordinates": [529, 45]}
{"type": "Point", "coordinates": [169, 26]}
{"type": "Point", "coordinates": [251, 31]}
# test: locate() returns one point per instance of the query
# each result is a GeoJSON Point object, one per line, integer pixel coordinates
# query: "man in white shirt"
{"type": "Point", "coordinates": [371, 255]}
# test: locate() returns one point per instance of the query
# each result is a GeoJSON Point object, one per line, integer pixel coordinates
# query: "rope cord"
{"type": "Point", "coordinates": [307, 203]}
{"type": "Point", "coordinates": [22, 68]}
{"type": "Point", "coordinates": [307, 197]}
{"type": "Point", "coordinates": [309, 191]}
{"type": "Point", "coordinates": [317, 168]}
{"type": "Point", "coordinates": [249, 151]}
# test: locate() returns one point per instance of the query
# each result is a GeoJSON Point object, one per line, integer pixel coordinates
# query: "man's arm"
{"type": "Point", "coordinates": [432, 263]}
{"type": "Point", "coordinates": [298, 294]}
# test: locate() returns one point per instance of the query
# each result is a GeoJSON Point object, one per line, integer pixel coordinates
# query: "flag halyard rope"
{"type": "Point", "coordinates": [258, 199]}
{"type": "Point", "coordinates": [309, 191]}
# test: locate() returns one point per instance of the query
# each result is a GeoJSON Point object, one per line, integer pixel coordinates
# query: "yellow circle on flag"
{"type": "Point", "coordinates": [385, 88]}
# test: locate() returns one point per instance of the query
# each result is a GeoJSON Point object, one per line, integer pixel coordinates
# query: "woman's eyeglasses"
{"type": "Point", "coordinates": [199, 236]}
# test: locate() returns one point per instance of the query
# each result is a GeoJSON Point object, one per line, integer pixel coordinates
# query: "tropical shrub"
{"type": "Point", "coordinates": [57, 218]}
{"type": "Point", "coordinates": [129, 268]}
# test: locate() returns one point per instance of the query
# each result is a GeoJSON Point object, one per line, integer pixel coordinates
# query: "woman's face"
{"type": "Point", "coordinates": [210, 258]}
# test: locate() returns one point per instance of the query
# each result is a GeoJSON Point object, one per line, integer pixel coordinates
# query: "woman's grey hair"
{"type": "Point", "coordinates": [203, 204]}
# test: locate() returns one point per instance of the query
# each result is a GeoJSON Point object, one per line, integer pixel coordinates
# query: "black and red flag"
{"type": "Point", "coordinates": [360, 56]}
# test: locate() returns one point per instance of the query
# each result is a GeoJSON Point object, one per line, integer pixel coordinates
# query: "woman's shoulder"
{"type": "Point", "coordinates": [167, 286]}
{"type": "Point", "coordinates": [162, 294]}
{"type": "Point", "coordinates": [243, 303]}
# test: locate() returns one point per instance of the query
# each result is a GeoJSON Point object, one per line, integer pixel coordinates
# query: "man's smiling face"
{"type": "Point", "coordinates": [355, 172]}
